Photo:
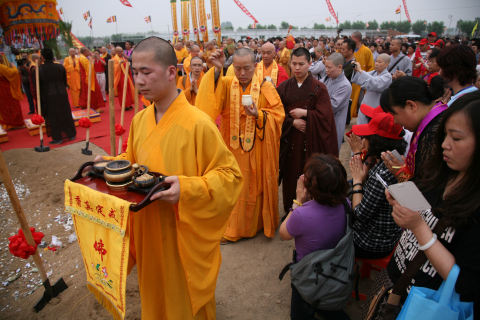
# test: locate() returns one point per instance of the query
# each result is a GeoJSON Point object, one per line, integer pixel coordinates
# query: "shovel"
{"type": "Point", "coordinates": [60, 285]}
{"type": "Point", "coordinates": [41, 148]}
{"type": "Point", "coordinates": [89, 99]}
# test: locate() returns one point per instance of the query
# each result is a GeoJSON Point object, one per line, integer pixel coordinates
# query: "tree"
{"type": "Point", "coordinates": [388, 25]}
{"type": "Point", "coordinates": [404, 26]}
{"type": "Point", "coordinates": [345, 25]}
{"type": "Point", "coordinates": [437, 27]}
{"type": "Point", "coordinates": [272, 27]}
{"type": "Point", "coordinates": [284, 25]}
{"type": "Point", "coordinates": [467, 26]}
{"type": "Point", "coordinates": [116, 37]}
{"type": "Point", "coordinates": [419, 26]}
{"type": "Point", "coordinates": [319, 26]}
{"type": "Point", "coordinates": [106, 40]}
{"type": "Point", "coordinates": [65, 32]}
{"type": "Point", "coordinates": [358, 25]}
{"type": "Point", "coordinates": [52, 44]}
{"type": "Point", "coordinates": [228, 28]}
{"type": "Point", "coordinates": [87, 41]}
{"type": "Point", "coordinates": [372, 25]}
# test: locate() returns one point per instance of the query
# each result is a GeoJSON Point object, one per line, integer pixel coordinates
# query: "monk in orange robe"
{"type": "Point", "coordinates": [194, 52]}
{"type": "Point", "coordinates": [174, 240]}
{"type": "Point", "coordinates": [119, 72]}
{"type": "Point", "coordinates": [209, 47]}
{"type": "Point", "coordinates": [96, 99]}
{"type": "Point", "coordinates": [10, 95]}
{"type": "Point", "coordinates": [190, 82]}
{"type": "Point", "coordinates": [283, 57]}
{"type": "Point", "coordinates": [268, 67]}
{"type": "Point", "coordinates": [252, 133]}
{"type": "Point", "coordinates": [72, 66]}
{"type": "Point", "coordinates": [364, 56]}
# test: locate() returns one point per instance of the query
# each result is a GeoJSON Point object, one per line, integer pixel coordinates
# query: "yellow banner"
{"type": "Point", "coordinates": [203, 20]}
{"type": "Point", "coordinates": [173, 5]}
{"type": "Point", "coordinates": [194, 20]}
{"type": "Point", "coordinates": [217, 32]}
{"type": "Point", "coordinates": [185, 19]}
{"type": "Point", "coordinates": [101, 224]}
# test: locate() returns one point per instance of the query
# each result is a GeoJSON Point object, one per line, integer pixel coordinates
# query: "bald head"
{"type": "Point", "coordinates": [357, 36]}
{"type": "Point", "coordinates": [268, 46]}
{"type": "Point", "coordinates": [318, 49]}
{"type": "Point", "coordinates": [384, 57]}
{"type": "Point", "coordinates": [84, 50]}
{"type": "Point", "coordinates": [336, 58]}
{"type": "Point", "coordinates": [268, 53]}
{"type": "Point", "coordinates": [194, 50]}
{"type": "Point", "coordinates": [71, 52]}
{"type": "Point", "coordinates": [244, 52]}
{"type": "Point", "coordinates": [163, 53]}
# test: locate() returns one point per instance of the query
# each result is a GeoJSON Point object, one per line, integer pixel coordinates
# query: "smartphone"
{"type": "Point", "coordinates": [396, 155]}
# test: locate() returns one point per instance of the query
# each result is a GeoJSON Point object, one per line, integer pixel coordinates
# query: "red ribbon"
{"type": "Point", "coordinates": [18, 244]}
{"type": "Point", "coordinates": [119, 130]}
{"type": "Point", "coordinates": [332, 12]}
{"type": "Point", "coordinates": [37, 119]}
{"type": "Point", "coordinates": [241, 6]}
{"type": "Point", "coordinates": [85, 123]}
{"type": "Point", "coordinates": [406, 10]}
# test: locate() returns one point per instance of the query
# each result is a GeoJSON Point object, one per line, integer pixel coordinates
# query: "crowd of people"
{"type": "Point", "coordinates": [283, 106]}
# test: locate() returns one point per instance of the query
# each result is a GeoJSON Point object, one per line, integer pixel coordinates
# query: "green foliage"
{"type": "Point", "coordinates": [272, 27]}
{"type": "Point", "coordinates": [468, 25]}
{"type": "Point", "coordinates": [388, 25]}
{"type": "Point", "coordinates": [87, 41]}
{"type": "Point", "coordinates": [358, 25]}
{"type": "Point", "coordinates": [65, 33]}
{"type": "Point", "coordinates": [228, 28]}
{"type": "Point", "coordinates": [116, 37]}
{"type": "Point", "coordinates": [284, 25]}
{"type": "Point", "coordinates": [52, 44]}
{"type": "Point", "coordinates": [106, 40]}
{"type": "Point", "coordinates": [437, 27]}
{"type": "Point", "coordinates": [319, 26]}
{"type": "Point", "coordinates": [405, 26]}
{"type": "Point", "coordinates": [418, 27]}
{"type": "Point", "coordinates": [372, 25]}
{"type": "Point", "coordinates": [345, 25]}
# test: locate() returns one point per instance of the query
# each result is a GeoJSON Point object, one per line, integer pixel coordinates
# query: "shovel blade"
{"type": "Point", "coordinates": [42, 149]}
{"type": "Point", "coordinates": [87, 152]}
{"type": "Point", "coordinates": [50, 292]}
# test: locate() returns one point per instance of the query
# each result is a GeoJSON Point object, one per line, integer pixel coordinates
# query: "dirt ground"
{"type": "Point", "coordinates": [247, 287]}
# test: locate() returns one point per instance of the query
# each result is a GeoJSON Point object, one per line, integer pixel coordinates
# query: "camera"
{"type": "Point", "coordinates": [314, 56]}
{"type": "Point", "coordinates": [354, 64]}
{"type": "Point", "coordinates": [19, 62]}
{"type": "Point", "coordinates": [339, 30]}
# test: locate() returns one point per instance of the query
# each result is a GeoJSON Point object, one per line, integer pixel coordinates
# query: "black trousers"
{"type": "Point", "coordinates": [364, 254]}
{"type": "Point", "coordinates": [300, 309]}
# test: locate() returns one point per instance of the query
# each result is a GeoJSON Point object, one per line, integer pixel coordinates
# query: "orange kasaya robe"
{"type": "Point", "coordinates": [206, 56]}
{"type": "Point", "coordinates": [365, 57]}
{"type": "Point", "coordinates": [96, 99]}
{"type": "Point", "coordinates": [119, 72]}
{"type": "Point", "coordinates": [186, 64]}
{"type": "Point", "coordinates": [73, 78]}
{"type": "Point", "coordinates": [284, 59]}
{"type": "Point", "coordinates": [10, 96]}
{"type": "Point", "coordinates": [191, 96]}
{"type": "Point", "coordinates": [182, 54]}
{"type": "Point", "coordinates": [257, 206]}
{"type": "Point", "coordinates": [176, 247]}
{"type": "Point", "coordinates": [263, 72]}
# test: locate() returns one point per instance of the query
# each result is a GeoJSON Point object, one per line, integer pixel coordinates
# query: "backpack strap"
{"type": "Point", "coordinates": [285, 270]}
{"type": "Point", "coordinates": [398, 61]}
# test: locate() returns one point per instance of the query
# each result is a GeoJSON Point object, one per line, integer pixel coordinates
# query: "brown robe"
{"type": "Point", "coordinates": [320, 134]}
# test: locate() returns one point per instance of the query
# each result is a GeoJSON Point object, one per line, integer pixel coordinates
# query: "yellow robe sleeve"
{"type": "Point", "coordinates": [230, 71]}
{"type": "Point", "coordinates": [186, 64]}
{"type": "Point", "coordinates": [85, 62]}
{"type": "Point", "coordinates": [285, 58]}
{"type": "Point", "coordinates": [210, 98]}
{"type": "Point", "coordinates": [14, 79]}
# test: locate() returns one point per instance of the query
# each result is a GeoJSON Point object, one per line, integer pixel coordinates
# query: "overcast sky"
{"type": "Point", "coordinates": [301, 13]}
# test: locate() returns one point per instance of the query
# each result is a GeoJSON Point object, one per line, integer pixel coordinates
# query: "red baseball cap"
{"type": "Point", "coordinates": [432, 34]}
{"type": "Point", "coordinates": [370, 111]}
{"type": "Point", "coordinates": [381, 124]}
{"type": "Point", "coordinates": [423, 41]}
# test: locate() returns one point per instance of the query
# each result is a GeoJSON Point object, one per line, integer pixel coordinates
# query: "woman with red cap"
{"type": "Point", "coordinates": [375, 232]}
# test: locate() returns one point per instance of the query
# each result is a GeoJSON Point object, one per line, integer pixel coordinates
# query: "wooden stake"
{"type": "Point", "coordinates": [89, 95]}
{"type": "Point", "coordinates": [39, 102]}
{"type": "Point", "coordinates": [111, 100]}
{"type": "Point", "coordinates": [125, 83]}
{"type": "Point", "coordinates": [17, 207]}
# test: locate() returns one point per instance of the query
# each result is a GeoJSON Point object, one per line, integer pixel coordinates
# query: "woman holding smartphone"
{"type": "Point", "coordinates": [413, 104]}
{"type": "Point", "coordinates": [451, 184]}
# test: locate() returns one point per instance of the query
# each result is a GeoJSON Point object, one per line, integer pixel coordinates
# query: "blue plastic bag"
{"type": "Point", "coordinates": [444, 304]}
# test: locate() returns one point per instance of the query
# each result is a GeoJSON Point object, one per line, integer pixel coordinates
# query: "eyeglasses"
{"type": "Point", "coordinates": [196, 66]}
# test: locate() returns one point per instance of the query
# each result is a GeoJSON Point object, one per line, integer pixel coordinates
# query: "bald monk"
{"type": "Point", "coordinates": [194, 51]}
{"type": "Point", "coordinates": [119, 73]}
{"type": "Point", "coordinates": [190, 82]}
{"type": "Point", "coordinates": [96, 99]}
{"type": "Point", "coordinates": [174, 240]}
{"type": "Point", "coordinates": [180, 52]}
{"type": "Point", "coordinates": [364, 56]}
{"type": "Point", "coordinates": [268, 67]}
{"type": "Point", "coordinates": [10, 95]}
{"type": "Point", "coordinates": [72, 66]}
{"type": "Point", "coordinates": [209, 47]}
{"type": "Point", "coordinates": [252, 133]}
{"type": "Point", "coordinates": [283, 57]}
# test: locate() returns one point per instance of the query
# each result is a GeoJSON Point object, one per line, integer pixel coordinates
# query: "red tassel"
{"type": "Point", "coordinates": [119, 130]}
{"type": "Point", "coordinates": [125, 145]}
{"type": "Point", "coordinates": [84, 123]}
{"type": "Point", "coordinates": [37, 119]}
{"type": "Point", "coordinates": [19, 247]}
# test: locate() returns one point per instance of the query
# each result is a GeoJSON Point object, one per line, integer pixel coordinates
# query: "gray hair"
{"type": "Point", "coordinates": [336, 58]}
{"type": "Point", "coordinates": [242, 52]}
{"type": "Point", "coordinates": [385, 57]}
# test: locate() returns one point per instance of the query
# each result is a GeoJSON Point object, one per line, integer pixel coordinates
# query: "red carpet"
{"type": "Point", "coordinates": [99, 132]}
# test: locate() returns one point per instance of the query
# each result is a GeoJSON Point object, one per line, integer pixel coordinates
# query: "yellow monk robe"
{"type": "Point", "coordinates": [10, 96]}
{"type": "Point", "coordinates": [257, 206]}
{"type": "Point", "coordinates": [284, 59]}
{"type": "Point", "coordinates": [184, 84]}
{"type": "Point", "coordinates": [96, 99]}
{"type": "Point", "coordinates": [206, 56]}
{"type": "Point", "coordinates": [186, 64]}
{"type": "Point", "coordinates": [119, 80]}
{"type": "Point", "coordinates": [182, 54]}
{"type": "Point", "coordinates": [73, 78]}
{"type": "Point", "coordinates": [176, 247]}
{"type": "Point", "coordinates": [365, 58]}
{"type": "Point", "coordinates": [230, 71]}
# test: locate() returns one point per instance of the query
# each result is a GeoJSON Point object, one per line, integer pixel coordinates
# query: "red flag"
{"type": "Point", "coordinates": [332, 12]}
{"type": "Point", "coordinates": [241, 6]}
{"type": "Point", "coordinates": [406, 10]}
{"type": "Point", "coordinates": [125, 3]}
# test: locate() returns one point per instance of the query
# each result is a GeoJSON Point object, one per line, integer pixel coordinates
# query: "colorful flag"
{"type": "Point", "coordinates": [332, 12]}
{"type": "Point", "coordinates": [112, 19]}
{"type": "Point", "coordinates": [367, 25]}
{"type": "Point", "coordinates": [148, 19]}
{"type": "Point", "coordinates": [125, 3]}
{"type": "Point", "coordinates": [378, 29]}
{"type": "Point", "coordinates": [90, 23]}
{"type": "Point", "coordinates": [61, 11]}
{"type": "Point", "coordinates": [209, 16]}
{"type": "Point", "coordinates": [474, 28]}
{"type": "Point", "coordinates": [254, 25]}
{"type": "Point", "coordinates": [328, 19]}
{"type": "Point", "coordinates": [86, 15]}
{"type": "Point", "coordinates": [445, 28]}
{"type": "Point", "coordinates": [398, 10]}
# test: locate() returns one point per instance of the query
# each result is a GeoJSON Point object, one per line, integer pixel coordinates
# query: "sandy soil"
{"type": "Point", "coordinates": [247, 288]}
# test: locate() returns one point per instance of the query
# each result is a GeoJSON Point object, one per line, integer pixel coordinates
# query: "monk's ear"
{"type": "Point", "coordinates": [171, 73]}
